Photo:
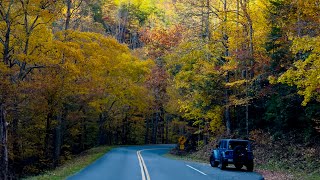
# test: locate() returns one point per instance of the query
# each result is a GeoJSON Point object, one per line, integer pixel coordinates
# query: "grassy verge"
{"type": "Point", "coordinates": [184, 158]}
{"type": "Point", "coordinates": [270, 171]}
{"type": "Point", "coordinates": [273, 168]}
{"type": "Point", "coordinates": [75, 165]}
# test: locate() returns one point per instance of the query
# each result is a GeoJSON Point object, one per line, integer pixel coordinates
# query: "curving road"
{"type": "Point", "coordinates": [147, 163]}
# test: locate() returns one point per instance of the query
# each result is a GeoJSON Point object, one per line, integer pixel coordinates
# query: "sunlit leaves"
{"type": "Point", "coordinates": [197, 84]}
{"type": "Point", "coordinates": [306, 72]}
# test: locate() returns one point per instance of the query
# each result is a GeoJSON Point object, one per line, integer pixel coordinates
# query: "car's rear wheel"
{"type": "Point", "coordinates": [238, 166]}
{"type": "Point", "coordinates": [213, 161]}
{"type": "Point", "coordinates": [250, 166]}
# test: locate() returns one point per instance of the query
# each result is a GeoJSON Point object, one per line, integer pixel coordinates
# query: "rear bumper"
{"type": "Point", "coordinates": [230, 161]}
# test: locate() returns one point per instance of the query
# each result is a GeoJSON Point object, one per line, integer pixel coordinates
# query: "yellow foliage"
{"type": "Point", "coordinates": [305, 74]}
{"type": "Point", "coordinates": [236, 83]}
{"type": "Point", "coordinates": [216, 118]}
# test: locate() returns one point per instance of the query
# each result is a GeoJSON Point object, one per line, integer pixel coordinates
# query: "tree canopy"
{"type": "Point", "coordinates": [75, 74]}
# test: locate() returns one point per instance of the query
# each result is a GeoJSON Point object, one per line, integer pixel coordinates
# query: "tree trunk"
{"type": "Point", "coordinates": [244, 6]}
{"type": "Point", "coordinates": [125, 130]}
{"type": "Point", "coordinates": [167, 130]}
{"type": "Point", "coordinates": [162, 125]}
{"type": "Point", "coordinates": [6, 45]}
{"type": "Point", "coordinates": [207, 20]}
{"type": "Point", "coordinates": [83, 136]}
{"type": "Point", "coordinates": [57, 140]}
{"type": "Point", "coordinates": [155, 128]}
{"type": "Point", "coordinates": [146, 138]}
{"type": "Point", "coordinates": [47, 147]}
{"type": "Point", "coordinates": [102, 140]}
{"type": "Point", "coordinates": [123, 18]}
{"type": "Point", "coordinates": [298, 20]}
{"type": "Point", "coordinates": [68, 15]}
{"type": "Point", "coordinates": [14, 132]}
{"type": "Point", "coordinates": [227, 109]}
{"type": "Point", "coordinates": [4, 144]}
{"type": "Point", "coordinates": [226, 54]}
{"type": "Point", "coordinates": [101, 137]}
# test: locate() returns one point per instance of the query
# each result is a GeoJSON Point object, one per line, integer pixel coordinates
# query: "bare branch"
{"type": "Point", "coordinates": [33, 24]}
{"type": "Point", "coordinates": [30, 69]}
{"type": "Point", "coordinates": [76, 8]}
{"type": "Point", "coordinates": [1, 40]}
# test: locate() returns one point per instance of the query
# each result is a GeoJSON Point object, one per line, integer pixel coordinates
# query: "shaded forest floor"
{"type": "Point", "coordinates": [74, 165]}
{"type": "Point", "coordinates": [274, 159]}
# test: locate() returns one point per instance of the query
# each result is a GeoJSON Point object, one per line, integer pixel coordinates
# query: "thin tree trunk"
{"type": "Point", "coordinates": [6, 44]}
{"type": "Point", "coordinates": [155, 128]}
{"type": "Point", "coordinates": [125, 130]}
{"type": "Point", "coordinates": [57, 140]}
{"type": "Point", "coordinates": [47, 137]}
{"type": "Point", "coordinates": [167, 130]}
{"type": "Point", "coordinates": [16, 153]}
{"type": "Point", "coordinates": [68, 15]}
{"type": "Point", "coordinates": [14, 132]}
{"type": "Point", "coordinates": [146, 138]}
{"type": "Point", "coordinates": [83, 136]}
{"type": "Point", "coordinates": [4, 144]}
{"type": "Point", "coordinates": [244, 7]}
{"type": "Point", "coordinates": [226, 53]}
{"type": "Point", "coordinates": [227, 108]}
{"type": "Point", "coordinates": [298, 20]}
{"type": "Point", "coordinates": [162, 124]}
{"type": "Point", "coordinates": [207, 20]}
{"type": "Point", "coordinates": [101, 137]}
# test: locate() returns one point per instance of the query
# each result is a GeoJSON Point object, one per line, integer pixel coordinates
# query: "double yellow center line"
{"type": "Point", "coordinates": [143, 167]}
{"type": "Point", "coordinates": [144, 171]}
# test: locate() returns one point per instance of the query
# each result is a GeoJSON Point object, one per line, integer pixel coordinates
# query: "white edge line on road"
{"type": "Point", "coordinates": [141, 167]}
{"type": "Point", "coordinates": [196, 169]}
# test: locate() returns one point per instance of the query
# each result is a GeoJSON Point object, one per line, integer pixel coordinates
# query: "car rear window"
{"type": "Point", "coordinates": [233, 144]}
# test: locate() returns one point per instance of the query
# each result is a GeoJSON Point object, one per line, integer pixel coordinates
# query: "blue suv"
{"type": "Point", "coordinates": [232, 151]}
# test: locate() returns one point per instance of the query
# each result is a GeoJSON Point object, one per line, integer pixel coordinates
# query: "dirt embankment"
{"type": "Point", "coordinates": [275, 159]}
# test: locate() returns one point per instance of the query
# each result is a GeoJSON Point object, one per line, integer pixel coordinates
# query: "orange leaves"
{"type": "Point", "coordinates": [157, 83]}
{"type": "Point", "coordinates": [157, 78]}
{"type": "Point", "coordinates": [160, 41]}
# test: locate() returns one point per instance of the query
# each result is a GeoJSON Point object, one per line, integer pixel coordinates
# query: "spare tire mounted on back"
{"type": "Point", "coordinates": [239, 154]}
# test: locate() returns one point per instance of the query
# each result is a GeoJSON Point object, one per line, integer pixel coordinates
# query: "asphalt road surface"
{"type": "Point", "coordinates": [148, 163]}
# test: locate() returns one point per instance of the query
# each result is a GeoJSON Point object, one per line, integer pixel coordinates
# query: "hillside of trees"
{"type": "Point", "coordinates": [75, 74]}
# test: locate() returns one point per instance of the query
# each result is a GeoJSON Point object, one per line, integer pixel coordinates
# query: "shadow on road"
{"type": "Point", "coordinates": [233, 169]}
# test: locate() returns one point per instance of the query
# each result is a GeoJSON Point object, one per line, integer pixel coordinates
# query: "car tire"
{"type": "Point", "coordinates": [250, 166]}
{"type": "Point", "coordinates": [240, 153]}
{"type": "Point", "coordinates": [213, 161]}
{"type": "Point", "coordinates": [238, 166]}
{"type": "Point", "coordinates": [223, 164]}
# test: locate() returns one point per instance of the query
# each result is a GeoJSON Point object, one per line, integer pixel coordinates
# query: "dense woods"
{"type": "Point", "coordinates": [75, 74]}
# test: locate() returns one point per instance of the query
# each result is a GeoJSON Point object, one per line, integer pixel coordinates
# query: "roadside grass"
{"type": "Point", "coordinates": [272, 167]}
{"type": "Point", "coordinates": [74, 165]}
{"type": "Point", "coordinates": [187, 157]}
{"type": "Point", "coordinates": [271, 171]}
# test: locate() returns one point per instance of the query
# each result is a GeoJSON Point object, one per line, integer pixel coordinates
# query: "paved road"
{"type": "Point", "coordinates": [147, 163]}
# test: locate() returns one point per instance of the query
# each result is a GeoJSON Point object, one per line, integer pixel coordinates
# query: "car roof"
{"type": "Point", "coordinates": [240, 140]}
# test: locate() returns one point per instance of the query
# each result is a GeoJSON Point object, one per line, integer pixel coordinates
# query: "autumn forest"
{"type": "Point", "coordinates": [75, 74]}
